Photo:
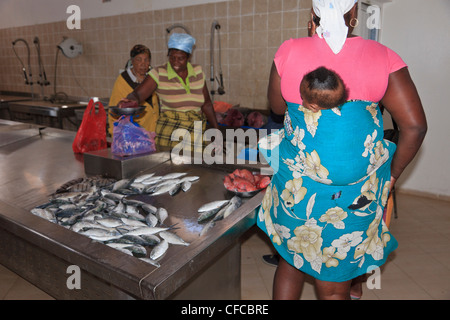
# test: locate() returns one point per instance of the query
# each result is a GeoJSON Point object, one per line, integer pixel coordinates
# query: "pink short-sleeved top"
{"type": "Point", "coordinates": [364, 66]}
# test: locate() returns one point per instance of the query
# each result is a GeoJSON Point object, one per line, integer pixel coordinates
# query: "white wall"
{"type": "Point", "coordinates": [419, 31]}
{"type": "Point", "coordinates": [16, 13]}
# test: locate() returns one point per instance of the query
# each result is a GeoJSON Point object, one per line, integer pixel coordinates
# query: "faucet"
{"type": "Point", "coordinates": [28, 80]}
{"type": "Point", "coordinates": [220, 90]}
{"type": "Point", "coordinates": [42, 75]}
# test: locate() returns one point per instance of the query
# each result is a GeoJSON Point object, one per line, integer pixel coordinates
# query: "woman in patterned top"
{"type": "Point", "coordinates": [135, 72]}
{"type": "Point", "coordinates": [333, 172]}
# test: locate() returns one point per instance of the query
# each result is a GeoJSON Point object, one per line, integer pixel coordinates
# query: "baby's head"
{"type": "Point", "coordinates": [322, 89]}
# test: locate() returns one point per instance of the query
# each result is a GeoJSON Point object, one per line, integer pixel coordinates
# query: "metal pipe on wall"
{"type": "Point", "coordinates": [215, 27]}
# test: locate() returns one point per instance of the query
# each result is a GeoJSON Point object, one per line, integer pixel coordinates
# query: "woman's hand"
{"type": "Point", "coordinates": [141, 93]}
{"type": "Point", "coordinates": [392, 183]}
{"type": "Point", "coordinates": [127, 103]}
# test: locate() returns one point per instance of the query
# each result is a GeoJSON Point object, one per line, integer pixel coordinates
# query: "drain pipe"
{"type": "Point", "coordinates": [28, 79]}
{"type": "Point", "coordinates": [220, 90]}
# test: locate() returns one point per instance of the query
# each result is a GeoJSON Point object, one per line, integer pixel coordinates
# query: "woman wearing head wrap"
{"type": "Point", "coordinates": [183, 94]}
{"type": "Point", "coordinates": [135, 72]}
{"type": "Point", "coordinates": [324, 208]}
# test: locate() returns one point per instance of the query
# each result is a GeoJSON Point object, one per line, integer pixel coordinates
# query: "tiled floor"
{"type": "Point", "coordinates": [418, 269]}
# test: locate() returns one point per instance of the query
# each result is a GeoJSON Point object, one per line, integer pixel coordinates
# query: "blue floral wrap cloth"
{"type": "Point", "coordinates": [323, 210]}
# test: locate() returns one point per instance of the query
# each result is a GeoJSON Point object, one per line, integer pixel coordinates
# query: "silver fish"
{"type": "Point", "coordinates": [235, 203]}
{"type": "Point", "coordinates": [151, 220]}
{"type": "Point", "coordinates": [175, 189]}
{"type": "Point", "coordinates": [133, 222]}
{"type": "Point", "coordinates": [120, 208]}
{"type": "Point", "coordinates": [44, 213]}
{"type": "Point", "coordinates": [186, 185]}
{"type": "Point", "coordinates": [100, 234]}
{"type": "Point", "coordinates": [173, 175]}
{"type": "Point", "coordinates": [146, 231]}
{"type": "Point", "coordinates": [109, 202]}
{"type": "Point", "coordinates": [190, 178]}
{"type": "Point", "coordinates": [144, 177]}
{"type": "Point", "coordinates": [120, 247]}
{"type": "Point", "coordinates": [138, 187]}
{"type": "Point", "coordinates": [126, 192]}
{"type": "Point", "coordinates": [213, 205]}
{"type": "Point", "coordinates": [110, 222]}
{"type": "Point", "coordinates": [137, 250]}
{"type": "Point", "coordinates": [168, 182]}
{"type": "Point", "coordinates": [159, 250]}
{"type": "Point", "coordinates": [99, 231]}
{"type": "Point", "coordinates": [131, 209]}
{"type": "Point", "coordinates": [130, 239]}
{"type": "Point", "coordinates": [207, 215]}
{"type": "Point", "coordinates": [151, 261]}
{"type": "Point", "coordinates": [74, 218]}
{"type": "Point", "coordinates": [219, 215]}
{"type": "Point", "coordinates": [151, 188]}
{"type": "Point", "coordinates": [161, 214]}
{"type": "Point", "coordinates": [150, 239]}
{"type": "Point", "coordinates": [163, 189]}
{"type": "Point", "coordinates": [135, 215]}
{"type": "Point", "coordinates": [67, 197]}
{"type": "Point", "coordinates": [124, 229]}
{"type": "Point", "coordinates": [152, 180]}
{"type": "Point", "coordinates": [91, 216]}
{"type": "Point", "coordinates": [172, 238]}
{"type": "Point", "coordinates": [121, 184]}
{"type": "Point", "coordinates": [66, 213]}
{"type": "Point", "coordinates": [149, 208]}
{"type": "Point", "coordinates": [83, 225]}
{"type": "Point", "coordinates": [68, 206]}
{"type": "Point", "coordinates": [207, 226]}
{"type": "Point", "coordinates": [133, 202]}
{"type": "Point", "coordinates": [114, 196]}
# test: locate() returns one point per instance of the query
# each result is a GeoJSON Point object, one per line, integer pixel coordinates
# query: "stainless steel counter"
{"type": "Point", "coordinates": [5, 99]}
{"type": "Point", "coordinates": [57, 111]}
{"type": "Point", "coordinates": [41, 251]}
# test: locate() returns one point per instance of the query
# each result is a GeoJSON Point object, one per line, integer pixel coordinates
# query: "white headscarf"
{"type": "Point", "coordinates": [332, 25]}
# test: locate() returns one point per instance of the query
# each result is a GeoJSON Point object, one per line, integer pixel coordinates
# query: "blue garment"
{"type": "Point", "coordinates": [324, 208]}
{"type": "Point", "coordinates": [181, 41]}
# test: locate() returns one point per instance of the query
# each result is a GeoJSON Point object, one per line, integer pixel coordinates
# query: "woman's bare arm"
{"type": "Point", "coordinates": [277, 103]}
{"type": "Point", "coordinates": [142, 92]}
{"type": "Point", "coordinates": [403, 103]}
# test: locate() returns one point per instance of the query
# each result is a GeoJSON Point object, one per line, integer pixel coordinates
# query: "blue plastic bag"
{"type": "Point", "coordinates": [129, 138]}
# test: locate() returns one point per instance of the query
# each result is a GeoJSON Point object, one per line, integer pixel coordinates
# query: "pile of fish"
{"type": "Point", "coordinates": [214, 211]}
{"type": "Point", "coordinates": [99, 208]}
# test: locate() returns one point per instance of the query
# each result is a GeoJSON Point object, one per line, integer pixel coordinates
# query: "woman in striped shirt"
{"type": "Point", "coordinates": [183, 95]}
